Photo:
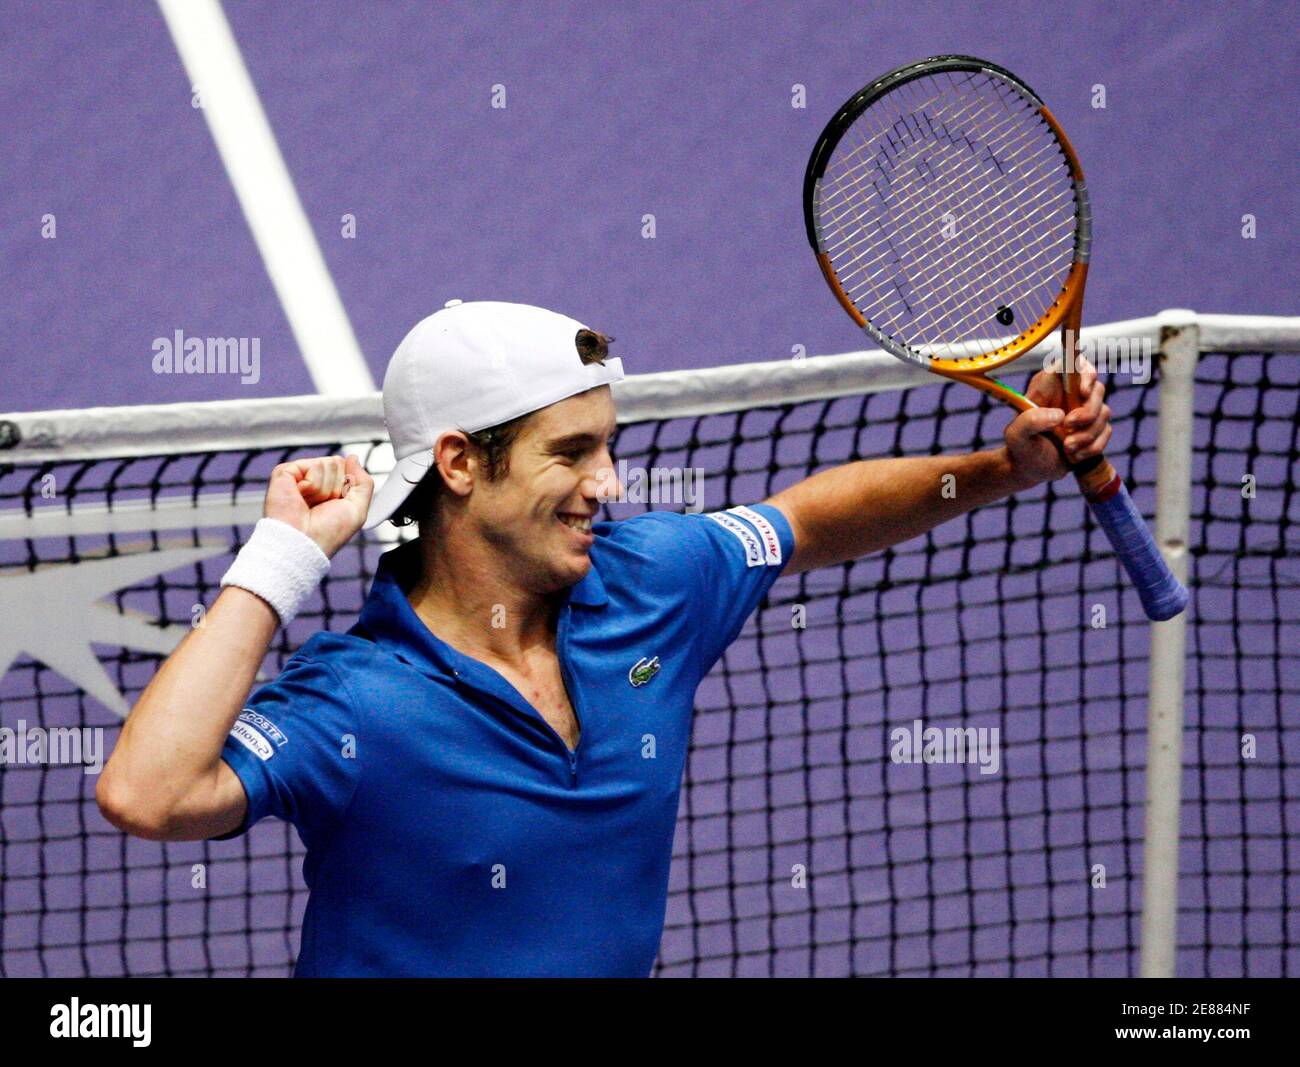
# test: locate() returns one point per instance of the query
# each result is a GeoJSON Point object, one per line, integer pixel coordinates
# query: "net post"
{"type": "Point", "coordinates": [1178, 354]}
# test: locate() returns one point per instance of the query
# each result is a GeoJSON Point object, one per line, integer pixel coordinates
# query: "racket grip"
{"type": "Point", "coordinates": [1162, 595]}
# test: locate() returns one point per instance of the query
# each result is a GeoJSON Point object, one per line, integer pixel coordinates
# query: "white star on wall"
{"type": "Point", "coordinates": [53, 615]}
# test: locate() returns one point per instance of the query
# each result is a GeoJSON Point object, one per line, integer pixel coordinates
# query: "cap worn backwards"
{"type": "Point", "coordinates": [471, 366]}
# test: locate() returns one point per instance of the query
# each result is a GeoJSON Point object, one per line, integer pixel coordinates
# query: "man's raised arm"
{"type": "Point", "coordinates": [165, 779]}
{"type": "Point", "coordinates": [863, 507]}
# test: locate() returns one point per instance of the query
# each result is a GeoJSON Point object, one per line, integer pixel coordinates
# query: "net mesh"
{"type": "Point", "coordinates": [802, 847]}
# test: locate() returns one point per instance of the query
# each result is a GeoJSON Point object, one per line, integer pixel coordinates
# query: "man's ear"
{"type": "Point", "coordinates": [455, 461]}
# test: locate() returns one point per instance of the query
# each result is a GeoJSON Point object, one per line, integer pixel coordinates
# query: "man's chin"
{"type": "Point", "coordinates": [566, 572]}
{"type": "Point", "coordinates": [579, 566]}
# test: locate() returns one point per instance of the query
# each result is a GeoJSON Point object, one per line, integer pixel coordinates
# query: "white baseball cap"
{"type": "Point", "coordinates": [471, 366]}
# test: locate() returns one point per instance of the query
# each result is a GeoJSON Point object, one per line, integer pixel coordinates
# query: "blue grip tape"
{"type": "Point", "coordinates": [1163, 596]}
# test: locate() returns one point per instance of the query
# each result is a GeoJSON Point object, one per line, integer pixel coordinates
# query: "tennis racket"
{"type": "Point", "coordinates": [950, 218]}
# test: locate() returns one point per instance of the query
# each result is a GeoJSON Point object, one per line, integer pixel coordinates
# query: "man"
{"type": "Point", "coordinates": [485, 769]}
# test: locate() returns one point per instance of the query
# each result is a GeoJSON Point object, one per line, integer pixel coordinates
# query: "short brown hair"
{"type": "Point", "coordinates": [492, 444]}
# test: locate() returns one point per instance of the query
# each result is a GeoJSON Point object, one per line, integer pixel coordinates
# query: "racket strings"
{"type": "Point", "coordinates": [1008, 266]}
{"type": "Point", "coordinates": [853, 168]}
{"type": "Point", "coordinates": [863, 266]}
{"type": "Point", "coordinates": [990, 147]}
{"type": "Point", "coordinates": [868, 143]}
{"type": "Point", "coordinates": [1021, 271]}
{"type": "Point", "coordinates": [927, 240]}
{"type": "Point", "coordinates": [926, 279]}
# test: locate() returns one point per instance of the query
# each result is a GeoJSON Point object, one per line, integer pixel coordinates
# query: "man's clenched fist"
{"type": "Point", "coordinates": [325, 498]}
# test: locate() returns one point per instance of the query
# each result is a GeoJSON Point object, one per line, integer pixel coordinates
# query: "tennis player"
{"type": "Point", "coordinates": [485, 769]}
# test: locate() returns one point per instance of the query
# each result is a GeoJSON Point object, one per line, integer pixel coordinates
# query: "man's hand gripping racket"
{"type": "Point", "coordinates": [950, 218]}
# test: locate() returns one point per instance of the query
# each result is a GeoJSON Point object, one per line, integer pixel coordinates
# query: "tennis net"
{"type": "Point", "coordinates": [803, 846]}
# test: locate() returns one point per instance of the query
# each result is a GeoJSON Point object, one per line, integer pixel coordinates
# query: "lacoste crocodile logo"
{"type": "Point", "coordinates": [643, 671]}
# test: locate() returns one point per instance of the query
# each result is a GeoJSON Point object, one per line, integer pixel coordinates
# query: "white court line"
{"type": "Point", "coordinates": [257, 171]}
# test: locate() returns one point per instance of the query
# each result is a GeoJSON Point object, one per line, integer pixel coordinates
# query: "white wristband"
{"type": "Point", "coordinates": [280, 564]}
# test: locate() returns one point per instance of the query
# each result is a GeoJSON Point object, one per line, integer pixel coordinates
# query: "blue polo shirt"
{"type": "Point", "coordinates": [449, 829]}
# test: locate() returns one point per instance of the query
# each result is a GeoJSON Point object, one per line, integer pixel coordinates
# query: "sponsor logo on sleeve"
{"type": "Point", "coordinates": [753, 550]}
{"type": "Point", "coordinates": [766, 532]}
{"type": "Point", "coordinates": [258, 745]}
{"type": "Point", "coordinates": [265, 725]}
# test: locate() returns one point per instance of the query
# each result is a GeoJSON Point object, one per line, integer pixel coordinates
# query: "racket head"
{"type": "Point", "coordinates": [950, 215]}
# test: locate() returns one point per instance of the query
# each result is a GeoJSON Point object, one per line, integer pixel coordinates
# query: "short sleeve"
{"type": "Point", "coordinates": [293, 748]}
{"type": "Point", "coordinates": [739, 553]}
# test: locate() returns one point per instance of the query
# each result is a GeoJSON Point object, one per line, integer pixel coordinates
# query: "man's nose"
{"type": "Point", "coordinates": [603, 485]}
